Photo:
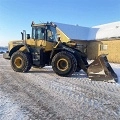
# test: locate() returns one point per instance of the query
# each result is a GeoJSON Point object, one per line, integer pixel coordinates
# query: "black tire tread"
{"type": "Point", "coordinates": [73, 63]}
{"type": "Point", "coordinates": [27, 59]}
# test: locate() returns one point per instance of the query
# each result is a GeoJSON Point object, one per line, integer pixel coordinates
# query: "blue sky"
{"type": "Point", "coordinates": [16, 15]}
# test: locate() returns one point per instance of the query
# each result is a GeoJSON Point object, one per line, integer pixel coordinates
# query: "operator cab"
{"type": "Point", "coordinates": [44, 32]}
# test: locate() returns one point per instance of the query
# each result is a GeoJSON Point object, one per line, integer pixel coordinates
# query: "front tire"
{"type": "Point", "coordinates": [64, 63]}
{"type": "Point", "coordinates": [21, 62]}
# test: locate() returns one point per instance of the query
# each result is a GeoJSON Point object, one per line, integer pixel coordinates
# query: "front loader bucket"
{"type": "Point", "coordinates": [101, 70]}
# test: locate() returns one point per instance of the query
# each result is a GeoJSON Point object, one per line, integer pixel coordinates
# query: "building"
{"type": "Point", "coordinates": [106, 41]}
{"type": "Point", "coordinates": [102, 39]}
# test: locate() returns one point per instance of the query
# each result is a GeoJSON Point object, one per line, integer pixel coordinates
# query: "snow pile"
{"type": "Point", "coordinates": [77, 32]}
{"type": "Point", "coordinates": [3, 50]}
{"type": "Point", "coordinates": [108, 30]}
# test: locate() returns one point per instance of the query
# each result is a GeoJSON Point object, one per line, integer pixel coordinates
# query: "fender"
{"type": "Point", "coordinates": [14, 49]}
{"type": "Point", "coordinates": [19, 47]}
{"type": "Point", "coordinates": [56, 50]}
{"type": "Point", "coordinates": [23, 48]}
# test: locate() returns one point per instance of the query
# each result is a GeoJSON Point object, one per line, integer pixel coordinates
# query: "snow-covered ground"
{"type": "Point", "coordinates": [40, 94]}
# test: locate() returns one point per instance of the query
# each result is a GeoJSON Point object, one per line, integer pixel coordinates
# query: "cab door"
{"type": "Point", "coordinates": [50, 38]}
{"type": "Point", "coordinates": [40, 37]}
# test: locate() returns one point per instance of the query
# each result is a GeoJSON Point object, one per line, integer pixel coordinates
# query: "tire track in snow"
{"type": "Point", "coordinates": [23, 94]}
{"type": "Point", "coordinates": [73, 97]}
{"type": "Point", "coordinates": [79, 95]}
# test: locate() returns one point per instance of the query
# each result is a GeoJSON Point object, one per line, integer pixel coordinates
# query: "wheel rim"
{"type": "Point", "coordinates": [62, 64]}
{"type": "Point", "coordinates": [18, 62]}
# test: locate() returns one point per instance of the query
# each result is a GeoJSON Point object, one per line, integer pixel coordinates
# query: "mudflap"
{"type": "Point", "coordinates": [100, 70]}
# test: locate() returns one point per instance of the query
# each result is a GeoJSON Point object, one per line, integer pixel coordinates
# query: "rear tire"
{"type": "Point", "coordinates": [21, 62]}
{"type": "Point", "coordinates": [64, 63]}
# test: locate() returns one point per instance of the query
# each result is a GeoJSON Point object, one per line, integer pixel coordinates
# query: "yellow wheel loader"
{"type": "Point", "coordinates": [43, 49]}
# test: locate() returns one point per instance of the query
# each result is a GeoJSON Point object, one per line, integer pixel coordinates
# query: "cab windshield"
{"type": "Point", "coordinates": [51, 34]}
